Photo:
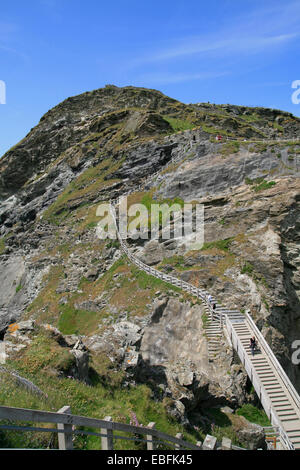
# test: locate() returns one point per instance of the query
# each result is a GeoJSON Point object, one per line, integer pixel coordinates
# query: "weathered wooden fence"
{"type": "Point", "coordinates": [67, 424]}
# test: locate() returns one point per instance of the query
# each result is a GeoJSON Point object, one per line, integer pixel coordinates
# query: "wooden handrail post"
{"type": "Point", "coordinates": [226, 443]}
{"type": "Point", "coordinates": [65, 441]}
{"type": "Point", "coordinates": [149, 437]}
{"type": "Point", "coordinates": [107, 441]}
{"type": "Point", "coordinates": [178, 436]}
{"type": "Point", "coordinates": [210, 443]}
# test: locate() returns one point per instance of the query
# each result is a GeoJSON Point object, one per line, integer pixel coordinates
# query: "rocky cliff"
{"type": "Point", "coordinates": [55, 271]}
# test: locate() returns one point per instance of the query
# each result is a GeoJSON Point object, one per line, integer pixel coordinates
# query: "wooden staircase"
{"type": "Point", "coordinates": [278, 396]}
{"type": "Point", "coordinates": [281, 399]}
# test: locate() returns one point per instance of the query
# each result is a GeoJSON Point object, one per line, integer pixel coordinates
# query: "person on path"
{"type": "Point", "coordinates": [252, 345]}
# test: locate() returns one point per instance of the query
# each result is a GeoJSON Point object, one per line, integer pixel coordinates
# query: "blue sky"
{"type": "Point", "coordinates": [222, 51]}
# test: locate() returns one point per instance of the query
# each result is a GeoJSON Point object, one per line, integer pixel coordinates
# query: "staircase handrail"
{"type": "Point", "coordinates": [258, 386]}
{"type": "Point", "coordinates": [275, 362]}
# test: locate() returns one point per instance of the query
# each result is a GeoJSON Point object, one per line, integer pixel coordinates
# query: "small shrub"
{"type": "Point", "coordinates": [247, 268]}
{"type": "Point", "coordinates": [264, 185]}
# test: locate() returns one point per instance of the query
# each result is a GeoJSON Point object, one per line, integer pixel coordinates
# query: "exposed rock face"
{"type": "Point", "coordinates": [252, 435]}
{"type": "Point", "coordinates": [222, 173]}
{"type": "Point", "coordinates": [107, 143]}
{"type": "Point", "coordinates": [80, 370]}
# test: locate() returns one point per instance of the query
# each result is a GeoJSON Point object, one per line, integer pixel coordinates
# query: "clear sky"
{"type": "Point", "coordinates": [222, 51]}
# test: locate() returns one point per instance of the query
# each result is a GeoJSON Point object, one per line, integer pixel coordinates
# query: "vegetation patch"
{"type": "Point", "coordinates": [230, 148]}
{"type": "Point", "coordinates": [179, 125]}
{"type": "Point", "coordinates": [259, 184]}
{"type": "Point", "coordinates": [220, 244]}
{"type": "Point", "coordinates": [247, 268]}
{"type": "Point", "coordinates": [205, 320]}
{"type": "Point", "coordinates": [222, 425]}
{"type": "Point", "coordinates": [2, 245]}
{"type": "Point", "coordinates": [254, 415]}
{"type": "Point", "coordinates": [264, 185]}
{"type": "Point", "coordinates": [89, 183]}
{"type": "Point", "coordinates": [105, 397]}
{"type": "Point", "coordinates": [77, 322]}
{"type": "Point", "coordinates": [45, 305]}
{"type": "Point", "coordinates": [45, 354]}
{"type": "Point", "coordinates": [18, 288]}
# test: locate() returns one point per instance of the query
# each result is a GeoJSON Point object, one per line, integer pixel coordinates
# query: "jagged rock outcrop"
{"type": "Point", "coordinates": [106, 143]}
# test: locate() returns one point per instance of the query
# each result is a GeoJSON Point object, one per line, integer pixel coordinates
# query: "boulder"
{"type": "Point", "coordinates": [80, 371]}
{"type": "Point", "coordinates": [128, 332]}
{"type": "Point", "coordinates": [252, 436]}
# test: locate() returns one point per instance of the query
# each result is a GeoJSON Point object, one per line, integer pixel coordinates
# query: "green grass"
{"type": "Point", "coordinates": [75, 321]}
{"type": "Point", "coordinates": [254, 181]}
{"type": "Point", "coordinates": [221, 426]}
{"type": "Point", "coordinates": [147, 200]}
{"type": "Point", "coordinates": [260, 147]}
{"type": "Point", "coordinates": [104, 397]}
{"type": "Point", "coordinates": [215, 130]}
{"type": "Point", "coordinates": [250, 117]}
{"type": "Point", "coordinates": [179, 125]}
{"type": "Point", "coordinates": [2, 245]}
{"type": "Point", "coordinates": [145, 281]}
{"type": "Point", "coordinates": [163, 216]}
{"type": "Point", "coordinates": [205, 320]}
{"type": "Point", "coordinates": [177, 261]}
{"type": "Point", "coordinates": [220, 244]}
{"type": "Point", "coordinates": [278, 127]}
{"type": "Point", "coordinates": [259, 184]}
{"type": "Point", "coordinates": [230, 148]}
{"type": "Point", "coordinates": [113, 244]}
{"type": "Point", "coordinates": [247, 268]}
{"type": "Point", "coordinates": [88, 183]}
{"type": "Point", "coordinates": [264, 185]}
{"type": "Point", "coordinates": [18, 288]}
{"type": "Point", "coordinates": [254, 415]}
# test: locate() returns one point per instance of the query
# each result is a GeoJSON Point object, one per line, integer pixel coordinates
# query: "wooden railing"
{"type": "Point", "coordinates": [186, 286]}
{"type": "Point", "coordinates": [256, 382]}
{"type": "Point", "coordinates": [223, 317]}
{"type": "Point", "coordinates": [277, 366]}
{"type": "Point", "coordinates": [66, 424]}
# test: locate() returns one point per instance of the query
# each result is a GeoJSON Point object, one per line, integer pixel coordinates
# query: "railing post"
{"type": "Point", "coordinates": [178, 436]}
{"type": "Point", "coordinates": [210, 443]}
{"type": "Point", "coordinates": [149, 437]}
{"type": "Point", "coordinates": [65, 441]}
{"type": "Point", "coordinates": [107, 441]}
{"type": "Point", "coordinates": [226, 444]}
